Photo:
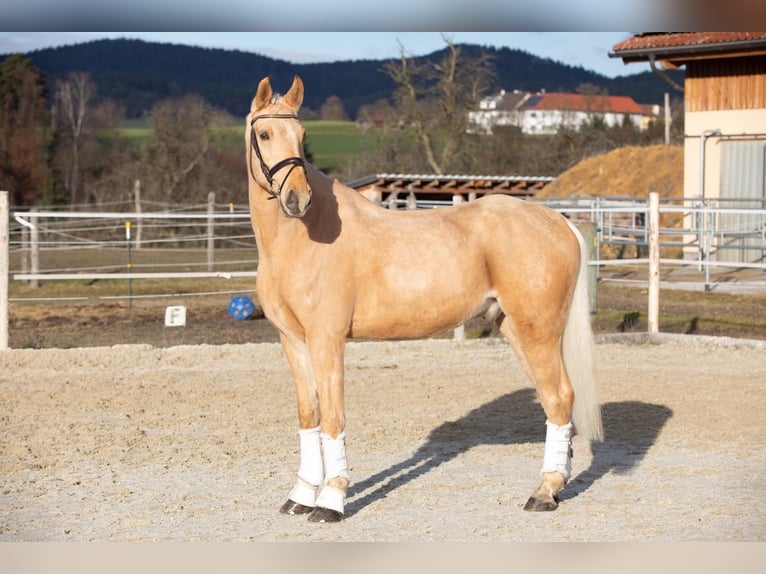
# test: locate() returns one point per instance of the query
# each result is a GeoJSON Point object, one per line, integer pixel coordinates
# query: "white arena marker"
{"type": "Point", "coordinates": [175, 316]}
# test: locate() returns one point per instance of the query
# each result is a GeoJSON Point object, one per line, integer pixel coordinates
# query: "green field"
{"type": "Point", "coordinates": [330, 143]}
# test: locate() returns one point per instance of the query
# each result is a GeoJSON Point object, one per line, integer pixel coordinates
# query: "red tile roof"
{"type": "Point", "coordinates": [681, 42]}
{"type": "Point", "coordinates": [583, 103]}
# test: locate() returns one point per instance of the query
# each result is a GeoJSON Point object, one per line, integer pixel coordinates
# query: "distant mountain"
{"type": "Point", "coordinates": [138, 73]}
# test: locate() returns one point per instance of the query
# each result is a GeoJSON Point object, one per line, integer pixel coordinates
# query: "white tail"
{"type": "Point", "coordinates": [578, 354]}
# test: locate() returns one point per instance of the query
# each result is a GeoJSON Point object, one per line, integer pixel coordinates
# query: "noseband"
{"type": "Point", "coordinates": [268, 173]}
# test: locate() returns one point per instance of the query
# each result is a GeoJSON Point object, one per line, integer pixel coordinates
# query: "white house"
{"type": "Point", "coordinates": [502, 109]}
{"type": "Point", "coordinates": [546, 113]}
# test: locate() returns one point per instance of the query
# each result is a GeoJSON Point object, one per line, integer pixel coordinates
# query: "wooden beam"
{"type": "Point", "coordinates": [677, 61]}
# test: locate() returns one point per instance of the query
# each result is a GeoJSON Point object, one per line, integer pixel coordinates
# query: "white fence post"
{"type": "Point", "coordinates": [654, 262]}
{"type": "Point", "coordinates": [4, 268]}
{"type": "Point", "coordinates": [137, 207]}
{"type": "Point", "coordinates": [34, 249]}
{"type": "Point", "coordinates": [210, 231]}
{"type": "Point", "coordinates": [24, 250]}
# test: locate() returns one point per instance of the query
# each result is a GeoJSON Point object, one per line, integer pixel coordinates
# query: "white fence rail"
{"type": "Point", "coordinates": [708, 234]}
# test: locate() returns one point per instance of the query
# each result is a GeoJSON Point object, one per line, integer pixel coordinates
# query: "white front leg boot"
{"type": "Point", "coordinates": [333, 492]}
{"type": "Point", "coordinates": [311, 470]}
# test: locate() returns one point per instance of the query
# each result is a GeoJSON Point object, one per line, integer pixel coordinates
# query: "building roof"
{"type": "Point", "coordinates": [452, 184]}
{"type": "Point", "coordinates": [681, 46]}
{"type": "Point", "coordinates": [511, 100]}
{"type": "Point", "coordinates": [584, 103]}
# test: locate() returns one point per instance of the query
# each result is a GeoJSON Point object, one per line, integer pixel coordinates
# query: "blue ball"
{"type": "Point", "coordinates": [241, 307]}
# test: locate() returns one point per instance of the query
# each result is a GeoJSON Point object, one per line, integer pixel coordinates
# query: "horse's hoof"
{"type": "Point", "coordinates": [322, 515]}
{"type": "Point", "coordinates": [540, 505]}
{"type": "Point", "coordinates": [291, 507]}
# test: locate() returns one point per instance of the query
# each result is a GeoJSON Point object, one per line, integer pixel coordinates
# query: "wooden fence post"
{"type": "Point", "coordinates": [4, 268]}
{"type": "Point", "coordinates": [590, 236]}
{"type": "Point", "coordinates": [654, 263]}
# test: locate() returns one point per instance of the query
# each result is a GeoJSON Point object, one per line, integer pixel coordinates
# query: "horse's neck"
{"type": "Point", "coordinates": [265, 215]}
{"type": "Point", "coordinates": [268, 219]}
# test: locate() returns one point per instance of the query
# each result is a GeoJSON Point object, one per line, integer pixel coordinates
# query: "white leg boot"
{"type": "Point", "coordinates": [310, 473]}
{"type": "Point", "coordinates": [333, 492]}
{"type": "Point", "coordinates": [558, 449]}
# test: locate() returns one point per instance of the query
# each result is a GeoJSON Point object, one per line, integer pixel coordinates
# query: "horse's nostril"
{"type": "Point", "coordinates": [292, 200]}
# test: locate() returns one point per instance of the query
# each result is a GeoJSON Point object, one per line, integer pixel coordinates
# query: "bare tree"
{"type": "Point", "coordinates": [434, 98]}
{"type": "Point", "coordinates": [179, 142]}
{"type": "Point", "coordinates": [73, 96]}
{"type": "Point", "coordinates": [378, 114]}
{"type": "Point", "coordinates": [108, 163]}
{"type": "Point", "coordinates": [333, 110]}
{"type": "Point", "coordinates": [108, 114]}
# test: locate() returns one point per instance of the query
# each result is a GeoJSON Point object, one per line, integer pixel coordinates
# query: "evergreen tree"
{"type": "Point", "coordinates": [23, 121]}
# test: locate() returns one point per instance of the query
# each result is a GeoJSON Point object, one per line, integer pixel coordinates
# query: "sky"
{"type": "Point", "coordinates": [587, 49]}
{"type": "Point", "coordinates": [338, 15]}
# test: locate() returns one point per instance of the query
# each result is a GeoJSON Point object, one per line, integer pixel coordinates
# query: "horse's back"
{"type": "Point", "coordinates": [518, 230]}
{"type": "Point", "coordinates": [436, 267]}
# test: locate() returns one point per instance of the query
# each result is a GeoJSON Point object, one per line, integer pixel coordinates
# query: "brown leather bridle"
{"type": "Point", "coordinates": [269, 173]}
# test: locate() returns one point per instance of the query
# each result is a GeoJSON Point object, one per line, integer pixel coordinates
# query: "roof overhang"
{"type": "Point", "coordinates": [429, 184]}
{"type": "Point", "coordinates": [673, 56]}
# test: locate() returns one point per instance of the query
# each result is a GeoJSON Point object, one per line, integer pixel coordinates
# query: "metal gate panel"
{"type": "Point", "coordinates": [743, 185]}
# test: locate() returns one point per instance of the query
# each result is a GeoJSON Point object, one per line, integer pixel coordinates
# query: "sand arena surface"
{"type": "Point", "coordinates": [445, 441]}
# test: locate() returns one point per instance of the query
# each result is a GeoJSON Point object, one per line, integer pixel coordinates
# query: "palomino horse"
{"type": "Point", "coordinates": [334, 265]}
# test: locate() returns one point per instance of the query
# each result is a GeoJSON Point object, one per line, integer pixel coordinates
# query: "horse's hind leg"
{"type": "Point", "coordinates": [539, 351]}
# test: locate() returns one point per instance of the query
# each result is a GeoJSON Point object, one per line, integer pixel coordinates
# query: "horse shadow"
{"type": "Point", "coordinates": [323, 221]}
{"type": "Point", "coordinates": [630, 429]}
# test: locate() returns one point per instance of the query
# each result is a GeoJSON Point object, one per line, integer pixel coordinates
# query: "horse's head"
{"type": "Point", "coordinates": [275, 137]}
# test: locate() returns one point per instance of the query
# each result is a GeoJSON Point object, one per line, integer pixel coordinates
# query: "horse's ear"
{"type": "Point", "coordinates": [294, 96]}
{"type": "Point", "coordinates": [262, 96]}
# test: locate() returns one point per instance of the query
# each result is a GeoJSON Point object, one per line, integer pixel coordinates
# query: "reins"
{"type": "Point", "coordinates": [270, 172]}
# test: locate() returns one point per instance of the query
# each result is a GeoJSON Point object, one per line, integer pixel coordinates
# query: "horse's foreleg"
{"type": "Point", "coordinates": [327, 362]}
{"type": "Point", "coordinates": [302, 498]}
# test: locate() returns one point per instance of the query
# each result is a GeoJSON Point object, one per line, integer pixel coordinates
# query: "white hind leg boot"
{"type": "Point", "coordinates": [558, 449]}
{"type": "Point", "coordinates": [311, 470]}
{"type": "Point", "coordinates": [332, 495]}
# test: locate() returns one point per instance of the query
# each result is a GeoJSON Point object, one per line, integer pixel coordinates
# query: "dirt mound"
{"type": "Point", "coordinates": [627, 172]}
{"type": "Point", "coordinates": [624, 172]}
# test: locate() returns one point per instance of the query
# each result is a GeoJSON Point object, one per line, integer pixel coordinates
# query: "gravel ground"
{"type": "Point", "coordinates": [445, 439]}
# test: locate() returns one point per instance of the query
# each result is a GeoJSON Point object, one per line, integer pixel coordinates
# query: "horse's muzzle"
{"type": "Point", "coordinates": [296, 204]}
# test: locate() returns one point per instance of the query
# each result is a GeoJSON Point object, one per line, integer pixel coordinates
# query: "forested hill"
{"type": "Point", "coordinates": [137, 74]}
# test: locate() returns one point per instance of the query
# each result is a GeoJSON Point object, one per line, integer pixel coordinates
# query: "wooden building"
{"type": "Point", "coordinates": [725, 124]}
{"type": "Point", "coordinates": [397, 190]}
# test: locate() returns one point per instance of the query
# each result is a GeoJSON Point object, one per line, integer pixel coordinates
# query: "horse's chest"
{"type": "Point", "coordinates": [286, 301]}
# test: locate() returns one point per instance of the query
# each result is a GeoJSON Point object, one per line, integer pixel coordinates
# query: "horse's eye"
{"type": "Point", "coordinates": [264, 135]}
